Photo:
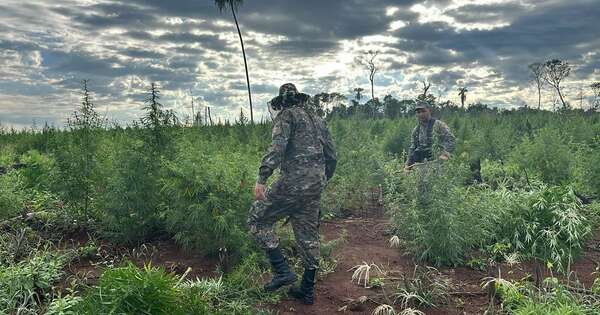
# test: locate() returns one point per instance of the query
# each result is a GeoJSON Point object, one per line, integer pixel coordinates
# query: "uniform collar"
{"type": "Point", "coordinates": [425, 123]}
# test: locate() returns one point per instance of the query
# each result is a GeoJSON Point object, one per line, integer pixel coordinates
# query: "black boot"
{"type": "Point", "coordinates": [282, 275]}
{"type": "Point", "coordinates": [306, 292]}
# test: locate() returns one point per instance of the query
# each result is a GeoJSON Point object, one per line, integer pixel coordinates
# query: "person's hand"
{"type": "Point", "coordinates": [259, 191]}
{"type": "Point", "coordinates": [444, 156]}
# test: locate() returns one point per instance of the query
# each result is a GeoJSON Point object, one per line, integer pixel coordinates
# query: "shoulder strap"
{"type": "Point", "coordinates": [430, 125]}
{"type": "Point", "coordinates": [415, 136]}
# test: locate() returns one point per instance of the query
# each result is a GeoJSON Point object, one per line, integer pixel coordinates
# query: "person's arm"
{"type": "Point", "coordinates": [282, 130]}
{"type": "Point", "coordinates": [410, 157]}
{"type": "Point", "coordinates": [446, 139]}
{"type": "Point", "coordinates": [328, 152]}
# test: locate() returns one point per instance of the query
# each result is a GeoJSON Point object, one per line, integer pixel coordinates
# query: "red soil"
{"type": "Point", "coordinates": [368, 242]}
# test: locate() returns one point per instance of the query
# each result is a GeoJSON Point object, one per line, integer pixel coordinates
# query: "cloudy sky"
{"type": "Point", "coordinates": [47, 48]}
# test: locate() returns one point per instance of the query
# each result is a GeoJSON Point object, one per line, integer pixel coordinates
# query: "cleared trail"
{"type": "Point", "coordinates": [368, 242]}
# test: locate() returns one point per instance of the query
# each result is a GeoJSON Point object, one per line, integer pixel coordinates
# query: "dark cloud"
{"type": "Point", "coordinates": [79, 62]}
{"type": "Point", "coordinates": [447, 77]}
{"type": "Point", "coordinates": [109, 14]}
{"type": "Point", "coordinates": [182, 63]}
{"type": "Point", "coordinates": [265, 88]}
{"type": "Point", "coordinates": [184, 44]}
{"type": "Point", "coordinates": [209, 41]}
{"type": "Point", "coordinates": [141, 35]}
{"type": "Point", "coordinates": [488, 13]}
{"type": "Point", "coordinates": [591, 66]}
{"type": "Point", "coordinates": [236, 86]}
{"type": "Point", "coordinates": [305, 19]}
{"type": "Point", "coordinates": [141, 53]}
{"type": "Point", "coordinates": [304, 47]}
{"type": "Point", "coordinates": [211, 65]}
{"type": "Point", "coordinates": [434, 56]}
{"type": "Point", "coordinates": [553, 30]}
{"type": "Point", "coordinates": [20, 46]}
{"type": "Point", "coordinates": [189, 50]}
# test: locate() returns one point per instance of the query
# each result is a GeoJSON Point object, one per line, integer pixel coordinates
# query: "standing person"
{"type": "Point", "coordinates": [303, 150]}
{"type": "Point", "coordinates": [422, 139]}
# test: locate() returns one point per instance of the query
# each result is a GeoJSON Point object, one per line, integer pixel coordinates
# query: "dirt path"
{"type": "Point", "coordinates": [365, 243]}
{"type": "Point", "coordinates": [368, 242]}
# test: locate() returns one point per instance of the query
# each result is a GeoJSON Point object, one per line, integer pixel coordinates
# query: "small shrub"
{"type": "Point", "coordinates": [24, 285]}
{"type": "Point", "coordinates": [207, 200]}
{"type": "Point", "coordinates": [40, 171]}
{"type": "Point", "coordinates": [553, 299]}
{"type": "Point", "coordinates": [596, 286]}
{"type": "Point", "coordinates": [131, 290]}
{"type": "Point", "coordinates": [587, 170]}
{"type": "Point", "coordinates": [12, 195]}
{"type": "Point", "coordinates": [130, 200]}
{"type": "Point", "coordinates": [7, 155]}
{"type": "Point", "coordinates": [438, 219]}
{"type": "Point", "coordinates": [17, 245]}
{"type": "Point", "coordinates": [550, 225]}
{"type": "Point", "coordinates": [424, 287]}
{"type": "Point", "coordinates": [64, 305]}
{"type": "Point", "coordinates": [546, 156]}
{"type": "Point", "coordinates": [239, 293]}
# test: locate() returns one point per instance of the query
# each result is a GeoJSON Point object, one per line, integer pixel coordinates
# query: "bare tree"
{"type": "Point", "coordinates": [368, 60]}
{"type": "Point", "coordinates": [537, 71]}
{"type": "Point", "coordinates": [425, 95]}
{"type": "Point", "coordinates": [193, 109]}
{"type": "Point", "coordinates": [426, 86]}
{"type": "Point", "coordinates": [462, 92]}
{"type": "Point", "coordinates": [233, 5]}
{"type": "Point", "coordinates": [555, 71]}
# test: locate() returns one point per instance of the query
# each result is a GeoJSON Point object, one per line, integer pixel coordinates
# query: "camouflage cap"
{"type": "Point", "coordinates": [288, 87]}
{"type": "Point", "coordinates": [422, 105]}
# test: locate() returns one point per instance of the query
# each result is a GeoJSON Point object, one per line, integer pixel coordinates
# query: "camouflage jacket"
{"type": "Point", "coordinates": [303, 149]}
{"type": "Point", "coordinates": [422, 140]}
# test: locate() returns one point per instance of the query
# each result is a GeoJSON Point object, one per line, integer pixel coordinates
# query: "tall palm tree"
{"type": "Point", "coordinates": [233, 5]}
{"type": "Point", "coordinates": [358, 92]}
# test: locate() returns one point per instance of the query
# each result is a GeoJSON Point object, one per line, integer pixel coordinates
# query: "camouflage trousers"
{"type": "Point", "coordinates": [303, 212]}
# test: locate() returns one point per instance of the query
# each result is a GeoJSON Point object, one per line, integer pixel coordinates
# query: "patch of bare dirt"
{"type": "Point", "coordinates": [368, 241]}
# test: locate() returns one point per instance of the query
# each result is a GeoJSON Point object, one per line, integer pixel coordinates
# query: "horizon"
{"type": "Point", "coordinates": [122, 46]}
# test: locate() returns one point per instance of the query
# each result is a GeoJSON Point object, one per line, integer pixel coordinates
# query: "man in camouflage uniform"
{"type": "Point", "coordinates": [428, 131]}
{"type": "Point", "coordinates": [303, 150]}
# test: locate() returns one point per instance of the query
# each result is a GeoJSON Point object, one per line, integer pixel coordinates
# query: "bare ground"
{"type": "Point", "coordinates": [367, 242]}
